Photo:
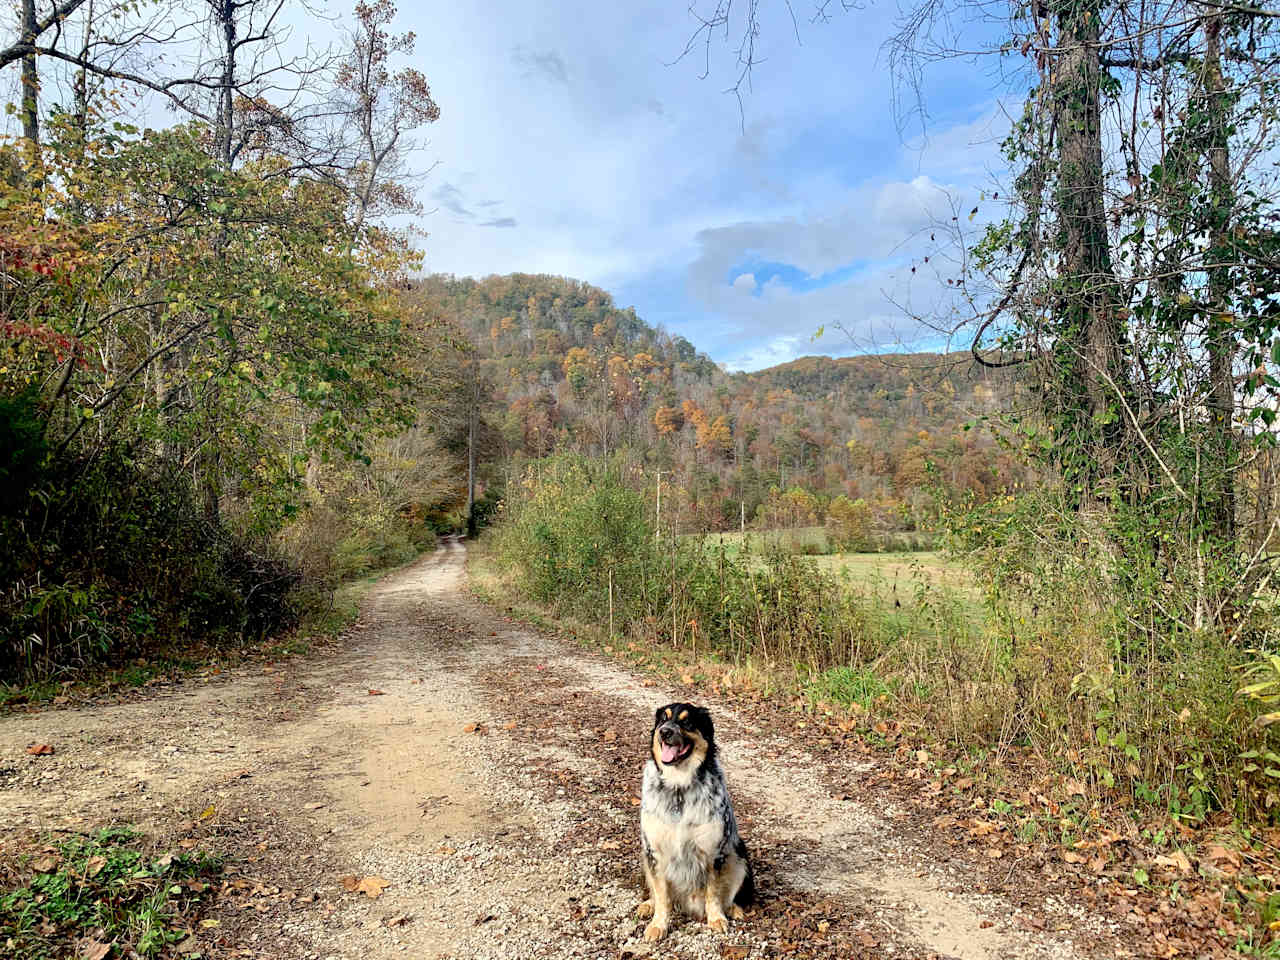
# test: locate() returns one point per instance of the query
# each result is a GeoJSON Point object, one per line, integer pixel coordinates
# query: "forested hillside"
{"type": "Point", "coordinates": [567, 369]}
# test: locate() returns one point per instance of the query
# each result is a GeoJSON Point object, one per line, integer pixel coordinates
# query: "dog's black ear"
{"type": "Point", "coordinates": [658, 717]}
{"type": "Point", "coordinates": [702, 723]}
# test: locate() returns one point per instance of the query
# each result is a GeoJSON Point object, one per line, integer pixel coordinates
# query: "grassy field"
{"type": "Point", "coordinates": [808, 540]}
{"type": "Point", "coordinates": [901, 574]}
{"type": "Point", "coordinates": [908, 577]}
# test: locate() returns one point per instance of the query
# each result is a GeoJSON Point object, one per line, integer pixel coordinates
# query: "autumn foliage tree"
{"type": "Point", "coordinates": [384, 105]}
{"type": "Point", "coordinates": [199, 322]}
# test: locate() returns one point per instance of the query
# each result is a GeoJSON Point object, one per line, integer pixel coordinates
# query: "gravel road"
{"type": "Point", "coordinates": [485, 777]}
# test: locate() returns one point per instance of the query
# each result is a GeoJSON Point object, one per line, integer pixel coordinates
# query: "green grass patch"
{"type": "Point", "coordinates": [910, 580]}
{"type": "Point", "coordinates": [814, 541]}
{"type": "Point", "coordinates": [802, 540]}
{"type": "Point", "coordinates": [39, 691]}
{"type": "Point", "coordinates": [847, 686]}
{"type": "Point", "coordinates": [103, 888]}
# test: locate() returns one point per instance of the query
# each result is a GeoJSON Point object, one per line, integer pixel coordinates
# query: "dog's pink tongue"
{"type": "Point", "coordinates": [669, 753]}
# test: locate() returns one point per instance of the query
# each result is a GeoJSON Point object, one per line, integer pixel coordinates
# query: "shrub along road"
{"type": "Point", "coordinates": [447, 783]}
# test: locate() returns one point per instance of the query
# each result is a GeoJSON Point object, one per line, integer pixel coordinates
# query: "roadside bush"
{"type": "Point", "coordinates": [107, 557]}
{"type": "Point", "coordinates": [574, 535]}
{"type": "Point", "coordinates": [1100, 655]}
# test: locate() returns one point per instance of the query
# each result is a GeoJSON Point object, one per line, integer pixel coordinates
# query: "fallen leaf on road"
{"type": "Point", "coordinates": [510, 725]}
{"type": "Point", "coordinates": [734, 951]}
{"type": "Point", "coordinates": [1177, 860]}
{"type": "Point", "coordinates": [94, 950]}
{"type": "Point", "coordinates": [610, 845]}
{"type": "Point", "coordinates": [399, 921]}
{"type": "Point", "coordinates": [350, 882]}
{"type": "Point", "coordinates": [372, 887]}
{"type": "Point", "coordinates": [93, 866]}
{"type": "Point", "coordinates": [609, 736]}
{"type": "Point", "coordinates": [1224, 857]}
{"type": "Point", "coordinates": [45, 865]}
{"type": "Point", "coordinates": [208, 812]}
{"type": "Point", "coordinates": [40, 750]}
{"type": "Point", "coordinates": [376, 693]}
{"type": "Point", "coordinates": [685, 678]}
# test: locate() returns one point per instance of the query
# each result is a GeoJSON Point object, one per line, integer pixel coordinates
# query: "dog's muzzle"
{"type": "Point", "coordinates": [673, 745]}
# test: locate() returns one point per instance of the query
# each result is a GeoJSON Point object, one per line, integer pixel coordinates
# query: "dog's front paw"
{"type": "Point", "coordinates": [737, 912]}
{"type": "Point", "coordinates": [645, 910]}
{"type": "Point", "coordinates": [654, 933]}
{"type": "Point", "coordinates": [718, 924]}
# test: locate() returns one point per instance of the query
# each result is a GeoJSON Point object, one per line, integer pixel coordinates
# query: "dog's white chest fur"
{"type": "Point", "coordinates": [684, 829]}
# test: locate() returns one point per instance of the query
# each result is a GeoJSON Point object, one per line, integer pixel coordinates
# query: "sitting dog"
{"type": "Point", "coordinates": [693, 858]}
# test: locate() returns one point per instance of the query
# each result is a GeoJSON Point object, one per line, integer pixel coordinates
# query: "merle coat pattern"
{"type": "Point", "coordinates": [693, 858]}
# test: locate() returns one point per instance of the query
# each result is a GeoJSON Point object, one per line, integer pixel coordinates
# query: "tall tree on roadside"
{"type": "Point", "coordinates": [382, 106]}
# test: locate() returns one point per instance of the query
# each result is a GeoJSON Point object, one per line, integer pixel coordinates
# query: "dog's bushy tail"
{"type": "Point", "coordinates": [746, 895]}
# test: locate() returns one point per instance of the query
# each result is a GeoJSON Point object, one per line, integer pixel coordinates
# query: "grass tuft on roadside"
{"type": "Point", "coordinates": [101, 895]}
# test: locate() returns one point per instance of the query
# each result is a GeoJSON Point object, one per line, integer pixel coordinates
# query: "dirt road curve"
{"type": "Point", "coordinates": [514, 839]}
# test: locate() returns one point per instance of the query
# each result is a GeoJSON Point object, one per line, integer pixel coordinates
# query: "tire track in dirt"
{"type": "Point", "coordinates": [513, 840]}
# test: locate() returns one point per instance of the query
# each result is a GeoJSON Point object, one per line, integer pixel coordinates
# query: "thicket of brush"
{"type": "Point", "coordinates": [107, 555]}
{"type": "Point", "coordinates": [1047, 656]}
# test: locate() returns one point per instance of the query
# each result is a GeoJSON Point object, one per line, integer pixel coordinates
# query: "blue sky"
{"type": "Point", "coordinates": [605, 161]}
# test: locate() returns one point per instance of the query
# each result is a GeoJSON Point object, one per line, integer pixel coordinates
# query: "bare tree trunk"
{"type": "Point", "coordinates": [224, 12]}
{"type": "Point", "coordinates": [1089, 328]}
{"type": "Point", "coordinates": [30, 79]}
{"type": "Point", "coordinates": [471, 452]}
{"type": "Point", "coordinates": [1221, 507]}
